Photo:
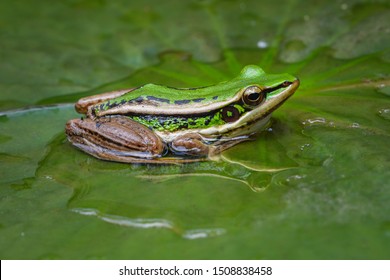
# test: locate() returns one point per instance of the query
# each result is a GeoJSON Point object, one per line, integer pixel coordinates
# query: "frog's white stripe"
{"type": "Point", "coordinates": [151, 107]}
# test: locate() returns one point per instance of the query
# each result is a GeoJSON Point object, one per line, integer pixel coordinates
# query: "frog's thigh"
{"type": "Point", "coordinates": [190, 144]}
{"type": "Point", "coordinates": [115, 138]}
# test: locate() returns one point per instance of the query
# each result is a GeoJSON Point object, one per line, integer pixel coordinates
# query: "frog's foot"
{"type": "Point", "coordinates": [190, 144]}
{"type": "Point", "coordinates": [194, 145]}
{"type": "Point", "coordinates": [224, 145]}
{"type": "Point", "coordinates": [116, 139]}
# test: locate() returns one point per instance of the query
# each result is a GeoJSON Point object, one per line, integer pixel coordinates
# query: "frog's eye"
{"type": "Point", "coordinates": [253, 96]}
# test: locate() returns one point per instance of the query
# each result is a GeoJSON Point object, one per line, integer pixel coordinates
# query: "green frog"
{"type": "Point", "coordinates": [161, 124]}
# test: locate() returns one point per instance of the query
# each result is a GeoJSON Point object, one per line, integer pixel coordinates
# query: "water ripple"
{"type": "Point", "coordinates": [150, 223]}
{"type": "Point", "coordinates": [203, 233]}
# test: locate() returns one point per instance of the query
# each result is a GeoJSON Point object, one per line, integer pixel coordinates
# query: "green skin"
{"type": "Point", "coordinates": [186, 124]}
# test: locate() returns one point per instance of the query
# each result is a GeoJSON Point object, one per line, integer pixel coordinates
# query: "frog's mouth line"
{"type": "Point", "coordinates": [275, 102]}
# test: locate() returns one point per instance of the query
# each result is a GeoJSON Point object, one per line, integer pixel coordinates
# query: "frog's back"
{"type": "Point", "coordinates": [163, 95]}
{"type": "Point", "coordinates": [164, 100]}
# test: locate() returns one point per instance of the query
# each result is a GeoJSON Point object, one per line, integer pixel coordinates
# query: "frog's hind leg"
{"type": "Point", "coordinates": [115, 139]}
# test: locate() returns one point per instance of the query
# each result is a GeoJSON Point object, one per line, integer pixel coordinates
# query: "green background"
{"type": "Point", "coordinates": [316, 185]}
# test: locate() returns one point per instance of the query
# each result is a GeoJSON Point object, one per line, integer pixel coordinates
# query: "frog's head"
{"type": "Point", "coordinates": [259, 88]}
{"type": "Point", "coordinates": [262, 93]}
{"type": "Point", "coordinates": [258, 95]}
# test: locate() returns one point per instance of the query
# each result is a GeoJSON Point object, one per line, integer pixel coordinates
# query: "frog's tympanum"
{"type": "Point", "coordinates": [160, 124]}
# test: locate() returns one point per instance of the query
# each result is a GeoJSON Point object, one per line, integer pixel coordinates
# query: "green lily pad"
{"type": "Point", "coordinates": [314, 185]}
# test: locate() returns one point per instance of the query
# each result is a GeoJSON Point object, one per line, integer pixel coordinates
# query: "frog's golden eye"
{"type": "Point", "coordinates": [253, 96]}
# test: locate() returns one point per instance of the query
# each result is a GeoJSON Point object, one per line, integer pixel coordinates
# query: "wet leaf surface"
{"type": "Point", "coordinates": [315, 185]}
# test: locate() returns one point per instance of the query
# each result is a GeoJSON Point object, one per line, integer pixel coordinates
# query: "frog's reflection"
{"type": "Point", "coordinates": [192, 200]}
